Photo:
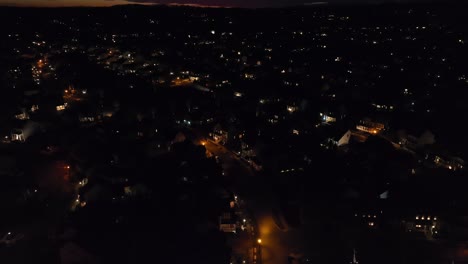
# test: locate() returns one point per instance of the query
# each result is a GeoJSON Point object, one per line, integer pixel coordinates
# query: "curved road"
{"type": "Point", "coordinates": [255, 190]}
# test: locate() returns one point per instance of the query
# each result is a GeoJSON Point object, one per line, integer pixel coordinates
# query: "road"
{"type": "Point", "coordinates": [255, 190]}
{"type": "Point", "coordinates": [322, 237]}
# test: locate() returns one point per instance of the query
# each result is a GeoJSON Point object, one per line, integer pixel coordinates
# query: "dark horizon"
{"type": "Point", "coordinates": [241, 5]}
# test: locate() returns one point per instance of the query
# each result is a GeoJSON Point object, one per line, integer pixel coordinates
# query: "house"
{"type": "Point", "coordinates": [219, 135]}
{"type": "Point", "coordinates": [411, 141]}
{"type": "Point", "coordinates": [370, 127]}
{"type": "Point", "coordinates": [22, 115]}
{"type": "Point", "coordinates": [227, 222]}
{"type": "Point", "coordinates": [332, 114]}
{"type": "Point", "coordinates": [23, 131]}
{"type": "Point", "coordinates": [337, 137]}
{"type": "Point", "coordinates": [17, 135]}
{"type": "Point", "coordinates": [344, 140]}
{"type": "Point", "coordinates": [424, 223]}
{"type": "Point", "coordinates": [255, 163]}
{"type": "Point", "coordinates": [247, 150]}
{"type": "Point", "coordinates": [444, 161]}
{"type": "Point", "coordinates": [327, 118]}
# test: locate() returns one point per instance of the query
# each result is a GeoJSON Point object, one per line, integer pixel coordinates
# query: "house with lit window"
{"type": "Point", "coordinates": [22, 114]}
{"type": "Point", "coordinates": [441, 159]}
{"type": "Point", "coordinates": [370, 127]}
{"type": "Point", "coordinates": [327, 118]}
{"type": "Point", "coordinates": [423, 223]}
{"type": "Point", "coordinates": [332, 114]}
{"type": "Point", "coordinates": [255, 163]}
{"type": "Point", "coordinates": [227, 222]}
{"type": "Point", "coordinates": [23, 131]}
{"type": "Point", "coordinates": [219, 135]}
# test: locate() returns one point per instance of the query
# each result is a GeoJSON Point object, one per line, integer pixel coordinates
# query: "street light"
{"type": "Point", "coordinates": [259, 241]}
{"type": "Point", "coordinates": [67, 172]}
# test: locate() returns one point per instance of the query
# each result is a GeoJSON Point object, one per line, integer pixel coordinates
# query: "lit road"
{"type": "Point", "coordinates": [321, 239]}
{"type": "Point", "coordinates": [255, 190]}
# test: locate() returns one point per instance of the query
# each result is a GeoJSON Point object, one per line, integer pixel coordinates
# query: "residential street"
{"type": "Point", "coordinates": [255, 191]}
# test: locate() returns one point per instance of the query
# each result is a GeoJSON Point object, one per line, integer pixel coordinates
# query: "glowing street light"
{"type": "Point", "coordinates": [259, 241]}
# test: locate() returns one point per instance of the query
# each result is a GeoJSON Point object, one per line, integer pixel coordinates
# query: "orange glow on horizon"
{"type": "Point", "coordinates": [93, 3]}
{"type": "Point", "coordinates": [63, 3]}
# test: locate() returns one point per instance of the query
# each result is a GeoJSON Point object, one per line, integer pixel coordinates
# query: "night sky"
{"type": "Point", "coordinates": [224, 3]}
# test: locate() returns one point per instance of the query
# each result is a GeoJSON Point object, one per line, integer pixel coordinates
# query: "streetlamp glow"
{"type": "Point", "coordinates": [259, 241]}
